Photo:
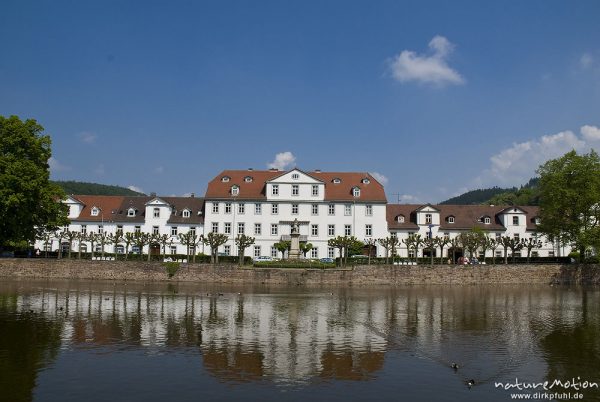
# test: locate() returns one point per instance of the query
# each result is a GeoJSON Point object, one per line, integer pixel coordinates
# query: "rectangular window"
{"type": "Point", "coordinates": [227, 249]}
{"type": "Point", "coordinates": [330, 230]}
{"type": "Point", "coordinates": [155, 230]}
{"type": "Point", "coordinates": [274, 209]}
{"type": "Point", "coordinates": [517, 237]}
{"type": "Point", "coordinates": [331, 209]}
{"type": "Point", "coordinates": [192, 231]}
{"type": "Point", "coordinates": [120, 227]}
{"type": "Point", "coordinates": [315, 190]}
{"type": "Point", "coordinates": [315, 209]}
{"type": "Point", "coordinates": [241, 227]}
{"type": "Point", "coordinates": [257, 209]}
{"type": "Point", "coordinates": [257, 229]}
{"type": "Point", "coordinates": [275, 189]}
{"type": "Point", "coordinates": [515, 220]}
{"type": "Point", "coordinates": [295, 189]}
{"type": "Point", "coordinates": [100, 229]}
{"type": "Point", "coordinates": [369, 210]}
{"type": "Point", "coordinates": [273, 252]}
{"type": "Point", "coordinates": [330, 252]}
{"type": "Point", "coordinates": [173, 230]}
{"type": "Point", "coordinates": [314, 230]}
{"type": "Point", "coordinates": [227, 207]}
{"type": "Point", "coordinates": [411, 253]}
{"type": "Point", "coordinates": [347, 230]}
{"type": "Point", "coordinates": [173, 249]}
{"type": "Point", "coordinates": [227, 228]}
{"type": "Point", "coordinates": [257, 251]}
{"type": "Point", "coordinates": [294, 209]}
{"type": "Point", "coordinates": [241, 208]}
{"type": "Point", "coordinates": [274, 229]}
{"type": "Point", "coordinates": [428, 218]}
{"type": "Point", "coordinates": [368, 230]}
{"type": "Point", "coordinates": [314, 253]}
{"type": "Point", "coordinates": [347, 209]}
{"type": "Point", "coordinates": [215, 207]}
{"type": "Point", "coordinates": [498, 253]}
{"type": "Point", "coordinates": [215, 227]}
{"type": "Point", "coordinates": [137, 229]}
{"type": "Point", "coordinates": [84, 229]}
{"type": "Point", "coordinates": [550, 253]}
{"type": "Point", "coordinates": [157, 212]}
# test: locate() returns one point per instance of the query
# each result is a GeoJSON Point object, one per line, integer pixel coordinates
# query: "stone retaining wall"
{"type": "Point", "coordinates": [359, 275]}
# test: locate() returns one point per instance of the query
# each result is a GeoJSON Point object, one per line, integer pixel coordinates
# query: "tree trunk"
{"type": "Point", "coordinates": [505, 255]}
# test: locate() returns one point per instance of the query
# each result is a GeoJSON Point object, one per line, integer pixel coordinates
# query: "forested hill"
{"type": "Point", "coordinates": [77, 187]}
{"type": "Point", "coordinates": [525, 195]}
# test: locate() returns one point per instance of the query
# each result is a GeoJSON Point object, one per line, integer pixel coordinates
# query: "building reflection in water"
{"type": "Point", "coordinates": [297, 336]}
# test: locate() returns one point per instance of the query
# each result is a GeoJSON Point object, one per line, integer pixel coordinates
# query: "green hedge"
{"type": "Point", "coordinates": [293, 264]}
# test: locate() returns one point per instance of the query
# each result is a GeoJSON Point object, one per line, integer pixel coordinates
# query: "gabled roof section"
{"type": "Point", "coordinates": [294, 170]}
{"type": "Point", "coordinates": [369, 192]}
{"type": "Point", "coordinates": [248, 190]}
{"type": "Point", "coordinates": [107, 204]}
{"type": "Point", "coordinates": [179, 204]}
{"type": "Point", "coordinates": [427, 207]}
{"type": "Point", "coordinates": [406, 210]}
{"type": "Point", "coordinates": [255, 190]}
{"type": "Point", "coordinates": [157, 201]}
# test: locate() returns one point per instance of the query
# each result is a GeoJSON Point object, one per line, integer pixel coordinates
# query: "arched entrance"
{"type": "Point", "coordinates": [455, 253]}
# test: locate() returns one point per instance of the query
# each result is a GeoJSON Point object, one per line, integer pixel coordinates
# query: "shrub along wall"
{"type": "Point", "coordinates": [363, 274]}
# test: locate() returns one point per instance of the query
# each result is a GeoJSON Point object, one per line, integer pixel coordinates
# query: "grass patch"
{"type": "Point", "coordinates": [172, 268]}
{"type": "Point", "coordinates": [306, 264]}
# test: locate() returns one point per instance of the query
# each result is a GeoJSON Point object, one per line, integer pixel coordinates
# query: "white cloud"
{"type": "Point", "coordinates": [380, 178]}
{"type": "Point", "coordinates": [517, 164]}
{"type": "Point", "coordinates": [409, 199]}
{"type": "Point", "coordinates": [56, 166]}
{"type": "Point", "coordinates": [430, 69]}
{"type": "Point", "coordinates": [586, 60]}
{"type": "Point", "coordinates": [282, 160]}
{"type": "Point", "coordinates": [590, 133]}
{"type": "Point", "coordinates": [87, 137]}
{"type": "Point", "coordinates": [159, 169]}
{"type": "Point", "coordinates": [135, 188]}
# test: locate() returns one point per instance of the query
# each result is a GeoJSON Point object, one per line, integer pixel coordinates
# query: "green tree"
{"type": "Point", "coordinates": [28, 200]}
{"type": "Point", "coordinates": [390, 244]}
{"type": "Point", "coordinates": [493, 244]}
{"type": "Point", "coordinates": [164, 240]}
{"type": "Point", "coordinates": [115, 239]}
{"type": "Point", "coordinates": [370, 244]}
{"type": "Point", "coordinates": [283, 246]}
{"type": "Point", "coordinates": [569, 199]}
{"type": "Point", "coordinates": [214, 241]}
{"type": "Point", "coordinates": [128, 239]}
{"type": "Point", "coordinates": [103, 240]}
{"type": "Point", "coordinates": [429, 243]}
{"type": "Point", "coordinates": [529, 244]}
{"type": "Point", "coordinates": [414, 241]}
{"type": "Point", "coordinates": [305, 248]}
{"type": "Point", "coordinates": [71, 237]}
{"type": "Point", "coordinates": [141, 239]}
{"type": "Point", "coordinates": [243, 242]}
{"type": "Point", "coordinates": [441, 242]}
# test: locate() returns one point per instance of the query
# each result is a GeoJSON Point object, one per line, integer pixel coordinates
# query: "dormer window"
{"type": "Point", "coordinates": [225, 179]}
{"type": "Point", "coordinates": [400, 218]}
{"type": "Point", "coordinates": [295, 176]}
{"type": "Point", "coordinates": [515, 220]}
{"type": "Point", "coordinates": [95, 211]}
{"type": "Point", "coordinates": [337, 180]}
{"type": "Point", "coordinates": [451, 219]}
{"type": "Point", "coordinates": [131, 212]}
{"type": "Point", "coordinates": [356, 192]}
{"type": "Point", "coordinates": [248, 179]}
{"type": "Point", "coordinates": [365, 181]}
{"type": "Point", "coordinates": [487, 220]}
{"type": "Point", "coordinates": [186, 213]}
{"type": "Point", "coordinates": [235, 190]}
{"type": "Point", "coordinates": [537, 220]}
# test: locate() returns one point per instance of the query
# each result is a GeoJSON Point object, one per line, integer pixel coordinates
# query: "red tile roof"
{"type": "Point", "coordinates": [255, 190]}
{"type": "Point", "coordinates": [466, 217]}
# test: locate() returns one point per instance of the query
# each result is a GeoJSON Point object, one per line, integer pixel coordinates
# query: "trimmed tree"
{"type": "Point", "coordinates": [283, 246]}
{"type": "Point", "coordinates": [430, 243]}
{"type": "Point", "coordinates": [115, 239]}
{"type": "Point", "coordinates": [164, 240]}
{"type": "Point", "coordinates": [530, 244]}
{"type": "Point", "coordinates": [243, 242]}
{"type": "Point", "coordinates": [370, 244]}
{"type": "Point", "coordinates": [305, 248]}
{"type": "Point", "coordinates": [441, 242]}
{"type": "Point", "coordinates": [214, 241]}
{"type": "Point", "coordinates": [128, 239]}
{"type": "Point", "coordinates": [71, 237]}
{"type": "Point", "coordinates": [141, 239]}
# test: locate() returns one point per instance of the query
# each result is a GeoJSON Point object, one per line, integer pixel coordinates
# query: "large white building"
{"type": "Point", "coordinates": [264, 204]}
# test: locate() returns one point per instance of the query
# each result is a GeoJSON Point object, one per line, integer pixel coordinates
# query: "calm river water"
{"type": "Point", "coordinates": [100, 341]}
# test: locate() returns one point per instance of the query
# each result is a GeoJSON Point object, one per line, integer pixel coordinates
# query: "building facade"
{"type": "Point", "coordinates": [265, 203]}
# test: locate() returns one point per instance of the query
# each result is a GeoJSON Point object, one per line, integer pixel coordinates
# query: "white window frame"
{"type": "Point", "coordinates": [173, 230]}
{"type": "Point", "coordinates": [295, 190]}
{"type": "Point", "coordinates": [215, 227]}
{"type": "Point", "coordinates": [428, 218]}
{"type": "Point", "coordinates": [215, 207]}
{"type": "Point", "coordinates": [369, 210]}
{"type": "Point", "coordinates": [156, 212]}
{"type": "Point", "coordinates": [186, 213]}
{"type": "Point", "coordinates": [274, 229]}
{"type": "Point", "coordinates": [347, 230]}
{"type": "Point", "coordinates": [256, 251]}
{"type": "Point", "coordinates": [258, 229]}
{"type": "Point", "coordinates": [347, 209]}
{"type": "Point", "coordinates": [235, 190]}
{"type": "Point", "coordinates": [95, 211]}
{"type": "Point", "coordinates": [227, 227]}
{"type": "Point", "coordinates": [227, 207]}
{"type": "Point", "coordinates": [131, 212]}
{"type": "Point", "coordinates": [155, 230]}
{"type": "Point", "coordinates": [356, 192]}
{"type": "Point", "coordinates": [368, 230]}
{"type": "Point", "coordinates": [314, 209]}
{"type": "Point", "coordinates": [331, 209]}
{"type": "Point", "coordinates": [241, 228]}
{"type": "Point", "coordinates": [257, 209]}
{"type": "Point", "coordinates": [227, 249]}
{"type": "Point", "coordinates": [314, 252]}
{"type": "Point", "coordinates": [274, 209]}
{"type": "Point", "coordinates": [315, 190]}
{"type": "Point", "coordinates": [295, 208]}
{"type": "Point", "coordinates": [275, 189]}
{"type": "Point", "coordinates": [331, 230]}
{"type": "Point", "coordinates": [241, 208]}
{"type": "Point", "coordinates": [314, 230]}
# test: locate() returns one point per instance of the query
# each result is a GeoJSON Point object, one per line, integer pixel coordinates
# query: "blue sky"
{"type": "Point", "coordinates": [433, 97]}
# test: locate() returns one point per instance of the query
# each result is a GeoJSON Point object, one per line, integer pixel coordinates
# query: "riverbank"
{"type": "Point", "coordinates": [358, 275]}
